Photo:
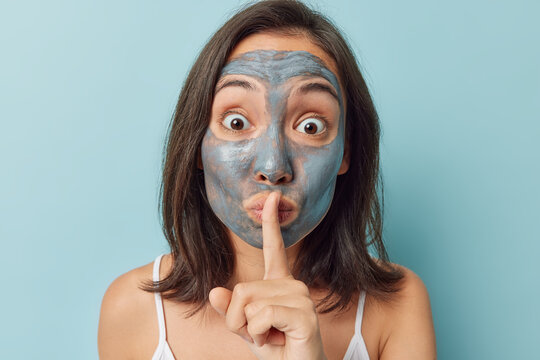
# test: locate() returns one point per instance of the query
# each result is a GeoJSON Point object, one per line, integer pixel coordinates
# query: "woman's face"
{"type": "Point", "coordinates": [277, 123]}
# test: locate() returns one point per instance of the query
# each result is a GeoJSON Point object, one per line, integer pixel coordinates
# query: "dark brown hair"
{"type": "Point", "coordinates": [335, 254]}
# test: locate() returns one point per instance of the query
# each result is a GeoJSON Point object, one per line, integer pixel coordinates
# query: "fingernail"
{"type": "Point", "coordinates": [247, 338]}
{"type": "Point", "coordinates": [218, 310]}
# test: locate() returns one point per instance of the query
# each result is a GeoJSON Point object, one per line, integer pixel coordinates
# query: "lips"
{"type": "Point", "coordinates": [287, 208]}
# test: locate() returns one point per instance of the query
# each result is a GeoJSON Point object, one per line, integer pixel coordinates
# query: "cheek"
{"type": "Point", "coordinates": [225, 163]}
{"type": "Point", "coordinates": [319, 167]}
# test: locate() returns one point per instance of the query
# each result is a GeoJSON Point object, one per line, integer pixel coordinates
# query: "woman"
{"type": "Point", "coordinates": [269, 204]}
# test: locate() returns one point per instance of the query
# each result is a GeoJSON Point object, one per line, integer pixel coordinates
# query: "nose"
{"type": "Point", "coordinates": [272, 165]}
{"type": "Point", "coordinates": [273, 177]}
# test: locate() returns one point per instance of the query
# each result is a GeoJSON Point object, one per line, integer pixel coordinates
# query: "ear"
{"type": "Point", "coordinates": [346, 159]}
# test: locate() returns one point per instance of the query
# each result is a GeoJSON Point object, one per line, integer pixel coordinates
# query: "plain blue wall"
{"type": "Point", "coordinates": [86, 93]}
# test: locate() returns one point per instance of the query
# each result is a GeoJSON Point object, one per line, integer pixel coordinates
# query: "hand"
{"type": "Point", "coordinates": [276, 315]}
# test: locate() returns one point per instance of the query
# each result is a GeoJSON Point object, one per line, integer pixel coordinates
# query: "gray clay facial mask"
{"type": "Point", "coordinates": [271, 144]}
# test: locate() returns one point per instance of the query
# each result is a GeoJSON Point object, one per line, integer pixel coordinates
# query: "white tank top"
{"type": "Point", "coordinates": [356, 351]}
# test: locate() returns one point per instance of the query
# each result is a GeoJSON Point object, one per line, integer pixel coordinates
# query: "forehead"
{"type": "Point", "coordinates": [277, 67]}
{"type": "Point", "coordinates": [274, 40]}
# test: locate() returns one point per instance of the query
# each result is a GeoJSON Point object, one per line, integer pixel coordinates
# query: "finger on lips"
{"type": "Point", "coordinates": [275, 256]}
{"type": "Point", "coordinates": [254, 310]}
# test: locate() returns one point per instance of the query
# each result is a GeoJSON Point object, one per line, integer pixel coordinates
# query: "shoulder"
{"type": "Point", "coordinates": [127, 322]}
{"type": "Point", "coordinates": [409, 333]}
{"type": "Point", "coordinates": [413, 291]}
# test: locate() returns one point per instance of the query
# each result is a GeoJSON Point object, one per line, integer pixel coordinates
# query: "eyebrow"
{"type": "Point", "coordinates": [235, 82]}
{"type": "Point", "coordinates": [318, 87]}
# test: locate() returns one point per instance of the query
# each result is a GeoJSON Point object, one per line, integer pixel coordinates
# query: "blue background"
{"type": "Point", "coordinates": [86, 92]}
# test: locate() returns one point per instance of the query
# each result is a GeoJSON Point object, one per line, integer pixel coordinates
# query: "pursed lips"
{"type": "Point", "coordinates": [287, 208]}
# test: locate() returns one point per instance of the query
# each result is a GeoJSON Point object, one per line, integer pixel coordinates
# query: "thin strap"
{"type": "Point", "coordinates": [357, 346]}
{"type": "Point", "coordinates": [159, 303]}
{"type": "Point", "coordinates": [360, 313]}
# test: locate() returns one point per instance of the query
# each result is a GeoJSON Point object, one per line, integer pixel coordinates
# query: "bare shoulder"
{"type": "Point", "coordinates": [413, 291]}
{"type": "Point", "coordinates": [409, 333]}
{"type": "Point", "coordinates": [127, 322]}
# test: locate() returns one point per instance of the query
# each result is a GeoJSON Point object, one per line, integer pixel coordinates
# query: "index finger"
{"type": "Point", "coordinates": [276, 265]}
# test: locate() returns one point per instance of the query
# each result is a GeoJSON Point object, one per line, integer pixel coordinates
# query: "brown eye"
{"type": "Point", "coordinates": [311, 126]}
{"type": "Point", "coordinates": [236, 122]}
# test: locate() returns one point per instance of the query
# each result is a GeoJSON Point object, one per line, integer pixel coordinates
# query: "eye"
{"type": "Point", "coordinates": [311, 126]}
{"type": "Point", "coordinates": [236, 122]}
